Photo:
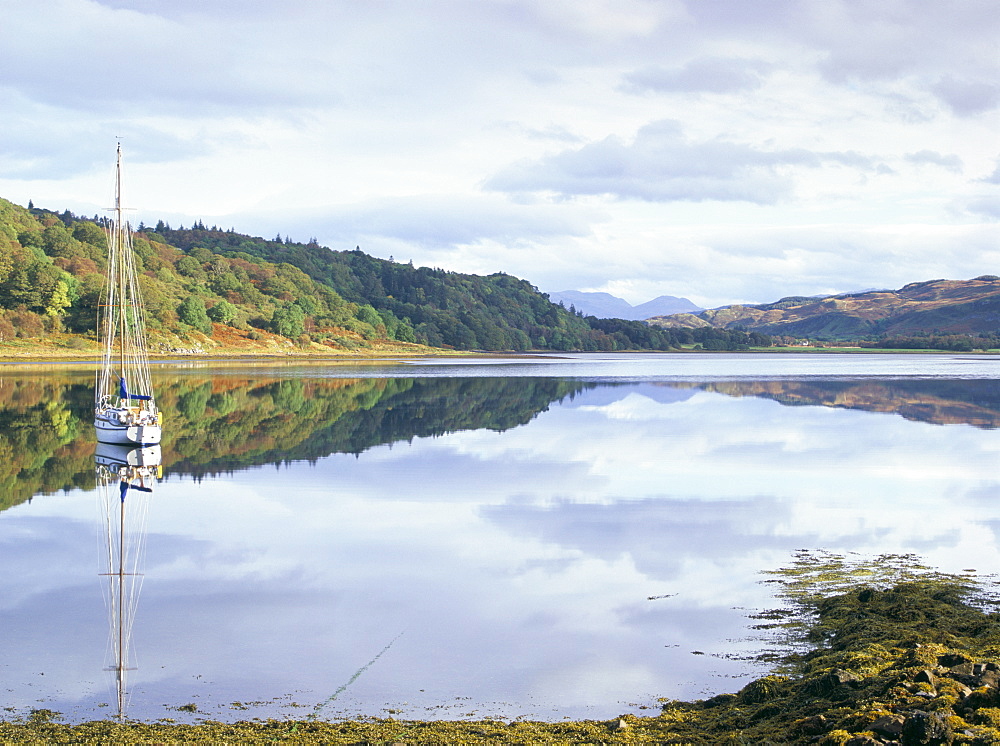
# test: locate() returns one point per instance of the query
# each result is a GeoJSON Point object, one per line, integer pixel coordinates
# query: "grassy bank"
{"type": "Point", "coordinates": [73, 348]}
{"type": "Point", "coordinates": [863, 653]}
{"type": "Point", "coordinates": [78, 349]}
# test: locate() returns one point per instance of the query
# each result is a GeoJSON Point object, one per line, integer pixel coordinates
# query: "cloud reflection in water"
{"type": "Point", "coordinates": [520, 565]}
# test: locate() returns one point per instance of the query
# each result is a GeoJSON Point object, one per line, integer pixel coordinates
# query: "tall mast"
{"type": "Point", "coordinates": [119, 249]}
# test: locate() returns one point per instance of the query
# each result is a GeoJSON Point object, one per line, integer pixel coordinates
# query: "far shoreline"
{"type": "Point", "coordinates": [68, 356]}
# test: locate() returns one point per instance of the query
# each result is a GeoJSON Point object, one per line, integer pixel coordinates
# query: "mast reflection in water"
{"type": "Point", "coordinates": [125, 479]}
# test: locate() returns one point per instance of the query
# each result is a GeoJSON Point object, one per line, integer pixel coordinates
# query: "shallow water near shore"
{"type": "Point", "coordinates": [541, 537]}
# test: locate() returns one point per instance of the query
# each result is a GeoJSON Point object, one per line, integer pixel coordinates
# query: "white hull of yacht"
{"type": "Point", "coordinates": [116, 456]}
{"type": "Point", "coordinates": [118, 433]}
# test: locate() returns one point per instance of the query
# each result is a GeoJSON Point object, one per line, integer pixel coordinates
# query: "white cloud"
{"type": "Point", "coordinates": [660, 164]}
{"type": "Point", "coordinates": [967, 97]}
{"type": "Point", "coordinates": [987, 206]}
{"type": "Point", "coordinates": [442, 221]}
{"type": "Point", "coordinates": [707, 75]}
{"type": "Point", "coordinates": [660, 147]}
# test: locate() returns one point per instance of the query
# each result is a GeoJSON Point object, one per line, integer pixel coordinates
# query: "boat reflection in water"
{"type": "Point", "coordinates": [125, 479]}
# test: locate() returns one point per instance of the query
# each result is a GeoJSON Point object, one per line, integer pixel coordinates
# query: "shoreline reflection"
{"type": "Point", "coordinates": [936, 401]}
{"type": "Point", "coordinates": [229, 423]}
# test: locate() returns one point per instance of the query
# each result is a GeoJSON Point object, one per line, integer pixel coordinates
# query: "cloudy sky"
{"type": "Point", "coordinates": [722, 150]}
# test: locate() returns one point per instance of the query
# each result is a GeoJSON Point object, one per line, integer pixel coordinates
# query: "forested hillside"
{"type": "Point", "coordinates": [434, 306]}
{"type": "Point", "coordinates": [217, 287]}
{"type": "Point", "coordinates": [52, 271]}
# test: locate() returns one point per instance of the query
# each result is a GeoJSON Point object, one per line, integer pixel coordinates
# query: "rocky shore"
{"type": "Point", "coordinates": [913, 663]}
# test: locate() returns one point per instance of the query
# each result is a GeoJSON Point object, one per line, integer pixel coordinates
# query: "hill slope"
{"type": "Point", "coordinates": [205, 287]}
{"type": "Point", "coordinates": [52, 273]}
{"type": "Point", "coordinates": [938, 307]}
{"type": "Point", "coordinates": [443, 308]}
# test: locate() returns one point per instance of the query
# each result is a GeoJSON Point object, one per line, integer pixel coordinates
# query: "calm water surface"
{"type": "Point", "coordinates": [548, 537]}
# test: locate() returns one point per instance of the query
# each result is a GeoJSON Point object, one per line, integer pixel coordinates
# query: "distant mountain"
{"type": "Point", "coordinates": [607, 306]}
{"type": "Point", "coordinates": [937, 307]}
{"type": "Point", "coordinates": [664, 305]}
{"type": "Point", "coordinates": [601, 305]}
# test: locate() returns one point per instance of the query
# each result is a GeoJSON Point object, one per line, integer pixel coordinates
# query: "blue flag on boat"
{"type": "Point", "coordinates": [124, 487]}
{"type": "Point", "coordinates": [124, 394]}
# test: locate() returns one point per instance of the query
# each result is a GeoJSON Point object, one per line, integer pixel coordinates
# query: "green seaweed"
{"type": "Point", "coordinates": [877, 651]}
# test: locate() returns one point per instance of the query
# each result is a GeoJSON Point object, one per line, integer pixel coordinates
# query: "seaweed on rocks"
{"type": "Point", "coordinates": [864, 652]}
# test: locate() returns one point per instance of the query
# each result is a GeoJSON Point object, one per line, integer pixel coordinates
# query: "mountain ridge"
{"type": "Point", "coordinates": [939, 307]}
{"type": "Point", "coordinates": [606, 305]}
